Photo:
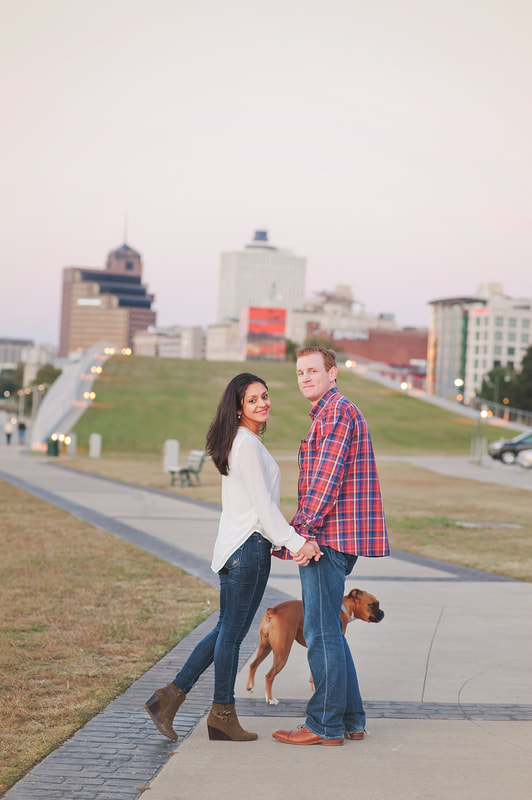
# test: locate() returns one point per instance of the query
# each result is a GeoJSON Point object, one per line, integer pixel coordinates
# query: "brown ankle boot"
{"type": "Point", "coordinates": [223, 723]}
{"type": "Point", "coordinates": [162, 708]}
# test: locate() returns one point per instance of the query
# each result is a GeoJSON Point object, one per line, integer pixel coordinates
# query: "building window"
{"type": "Point", "coordinates": [477, 348]}
{"type": "Point", "coordinates": [510, 364]}
{"type": "Point", "coordinates": [496, 363]}
{"type": "Point", "coordinates": [129, 265]}
{"type": "Point", "coordinates": [512, 322]}
{"type": "Point", "coordinates": [525, 323]}
{"type": "Point", "coordinates": [499, 322]}
{"type": "Point", "coordinates": [510, 351]}
{"type": "Point", "coordinates": [524, 338]}
{"type": "Point", "coordinates": [498, 336]}
{"type": "Point", "coordinates": [497, 350]}
{"type": "Point", "coordinates": [477, 321]}
{"type": "Point", "coordinates": [477, 336]}
{"type": "Point", "coordinates": [512, 337]}
{"type": "Point", "coordinates": [475, 364]}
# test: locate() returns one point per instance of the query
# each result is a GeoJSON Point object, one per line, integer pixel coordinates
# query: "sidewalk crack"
{"type": "Point", "coordinates": [429, 654]}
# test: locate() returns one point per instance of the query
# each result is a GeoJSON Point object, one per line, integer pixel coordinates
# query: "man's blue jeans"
{"type": "Point", "coordinates": [335, 707]}
{"type": "Point", "coordinates": [242, 583]}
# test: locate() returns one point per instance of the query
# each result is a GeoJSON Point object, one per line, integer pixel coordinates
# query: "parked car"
{"type": "Point", "coordinates": [507, 449]}
{"type": "Point", "coordinates": [524, 459]}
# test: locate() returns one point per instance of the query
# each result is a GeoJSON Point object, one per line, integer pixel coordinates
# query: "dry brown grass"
{"type": "Point", "coordinates": [423, 508]}
{"type": "Point", "coordinates": [146, 470]}
{"type": "Point", "coordinates": [83, 615]}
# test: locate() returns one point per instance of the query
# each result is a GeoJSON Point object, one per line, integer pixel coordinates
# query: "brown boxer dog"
{"type": "Point", "coordinates": [283, 623]}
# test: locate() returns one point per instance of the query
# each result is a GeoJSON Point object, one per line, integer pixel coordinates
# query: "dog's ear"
{"type": "Point", "coordinates": [355, 593]}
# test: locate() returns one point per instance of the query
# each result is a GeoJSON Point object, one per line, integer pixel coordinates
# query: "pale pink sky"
{"type": "Point", "coordinates": [388, 142]}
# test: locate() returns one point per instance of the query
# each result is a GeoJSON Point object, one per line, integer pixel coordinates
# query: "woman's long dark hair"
{"type": "Point", "coordinates": [225, 424]}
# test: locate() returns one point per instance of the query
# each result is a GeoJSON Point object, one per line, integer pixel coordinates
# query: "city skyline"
{"type": "Point", "coordinates": [387, 144]}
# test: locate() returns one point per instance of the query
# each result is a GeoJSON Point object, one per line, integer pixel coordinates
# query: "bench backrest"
{"type": "Point", "coordinates": [195, 459]}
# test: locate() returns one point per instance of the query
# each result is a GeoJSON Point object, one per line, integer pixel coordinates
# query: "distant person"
{"type": "Point", "coordinates": [339, 508]}
{"type": "Point", "coordinates": [21, 431]}
{"type": "Point", "coordinates": [250, 524]}
{"type": "Point", "coordinates": [8, 430]}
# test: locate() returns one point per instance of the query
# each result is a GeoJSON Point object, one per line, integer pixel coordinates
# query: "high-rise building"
{"type": "Point", "coordinates": [108, 304]}
{"type": "Point", "coordinates": [470, 336]}
{"type": "Point", "coordinates": [446, 349]}
{"type": "Point", "coordinates": [499, 334]}
{"type": "Point", "coordinates": [260, 275]}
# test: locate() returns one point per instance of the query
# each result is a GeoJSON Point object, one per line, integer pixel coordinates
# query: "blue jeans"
{"type": "Point", "coordinates": [242, 583]}
{"type": "Point", "coordinates": [335, 707]}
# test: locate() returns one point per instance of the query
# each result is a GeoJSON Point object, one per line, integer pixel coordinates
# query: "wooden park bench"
{"type": "Point", "coordinates": [193, 467]}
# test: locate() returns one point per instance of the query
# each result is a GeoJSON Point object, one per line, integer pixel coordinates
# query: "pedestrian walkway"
{"type": "Point", "coordinates": [487, 470]}
{"type": "Point", "coordinates": [445, 678]}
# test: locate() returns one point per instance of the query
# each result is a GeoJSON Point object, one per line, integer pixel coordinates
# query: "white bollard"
{"type": "Point", "coordinates": [73, 445]}
{"type": "Point", "coordinates": [95, 445]}
{"type": "Point", "coordinates": [170, 455]}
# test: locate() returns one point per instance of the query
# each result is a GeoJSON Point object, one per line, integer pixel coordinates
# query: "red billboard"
{"type": "Point", "coordinates": [262, 334]}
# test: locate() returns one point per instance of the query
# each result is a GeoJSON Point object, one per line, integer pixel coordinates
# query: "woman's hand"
{"type": "Point", "coordinates": [309, 551]}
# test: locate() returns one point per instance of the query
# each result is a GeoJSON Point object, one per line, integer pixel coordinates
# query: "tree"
{"type": "Point", "coordinates": [18, 376]}
{"type": "Point", "coordinates": [523, 384]}
{"type": "Point", "coordinates": [11, 380]}
{"type": "Point", "coordinates": [291, 350]}
{"type": "Point", "coordinates": [322, 341]}
{"type": "Point", "coordinates": [46, 374]}
{"type": "Point", "coordinates": [498, 384]}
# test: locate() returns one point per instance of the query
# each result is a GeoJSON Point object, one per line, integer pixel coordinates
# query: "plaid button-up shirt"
{"type": "Point", "coordinates": [340, 502]}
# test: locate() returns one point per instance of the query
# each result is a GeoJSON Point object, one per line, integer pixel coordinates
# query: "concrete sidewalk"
{"type": "Point", "coordinates": [446, 679]}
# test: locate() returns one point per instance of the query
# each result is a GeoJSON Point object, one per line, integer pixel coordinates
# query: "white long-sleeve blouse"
{"type": "Point", "coordinates": [251, 494]}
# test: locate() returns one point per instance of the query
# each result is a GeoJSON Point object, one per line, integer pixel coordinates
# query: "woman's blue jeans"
{"type": "Point", "coordinates": [335, 707]}
{"type": "Point", "coordinates": [242, 583]}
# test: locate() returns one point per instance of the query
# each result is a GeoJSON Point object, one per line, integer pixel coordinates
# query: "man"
{"type": "Point", "coordinates": [339, 508]}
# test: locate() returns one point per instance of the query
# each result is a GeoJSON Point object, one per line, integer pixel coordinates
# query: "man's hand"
{"type": "Point", "coordinates": [309, 551]}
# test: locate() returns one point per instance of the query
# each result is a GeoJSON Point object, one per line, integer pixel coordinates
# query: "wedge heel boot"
{"type": "Point", "coordinates": [223, 724]}
{"type": "Point", "coordinates": [162, 708]}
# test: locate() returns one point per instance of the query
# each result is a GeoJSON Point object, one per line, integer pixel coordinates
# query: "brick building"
{"type": "Point", "coordinates": [405, 348]}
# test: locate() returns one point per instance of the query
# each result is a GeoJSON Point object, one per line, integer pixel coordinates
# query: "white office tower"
{"type": "Point", "coordinates": [260, 275]}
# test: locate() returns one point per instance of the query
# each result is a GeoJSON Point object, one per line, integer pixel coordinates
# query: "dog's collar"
{"type": "Point", "coordinates": [350, 618]}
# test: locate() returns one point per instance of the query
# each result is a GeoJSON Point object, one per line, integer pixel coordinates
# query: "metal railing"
{"type": "Point", "coordinates": [504, 412]}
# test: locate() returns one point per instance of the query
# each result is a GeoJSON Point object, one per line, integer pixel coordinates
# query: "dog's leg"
{"type": "Point", "coordinates": [279, 662]}
{"type": "Point", "coordinates": [264, 650]}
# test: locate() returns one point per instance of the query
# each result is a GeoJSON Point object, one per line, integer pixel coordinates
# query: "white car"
{"type": "Point", "coordinates": [524, 459]}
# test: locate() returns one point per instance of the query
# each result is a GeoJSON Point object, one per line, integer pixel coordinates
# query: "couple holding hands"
{"type": "Point", "coordinates": [339, 518]}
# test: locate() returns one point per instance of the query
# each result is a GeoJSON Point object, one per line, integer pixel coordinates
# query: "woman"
{"type": "Point", "coordinates": [250, 524]}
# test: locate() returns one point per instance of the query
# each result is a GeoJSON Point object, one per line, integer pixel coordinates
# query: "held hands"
{"type": "Point", "coordinates": [309, 551]}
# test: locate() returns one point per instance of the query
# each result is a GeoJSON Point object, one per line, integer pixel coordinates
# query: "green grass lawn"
{"type": "Point", "coordinates": [141, 402]}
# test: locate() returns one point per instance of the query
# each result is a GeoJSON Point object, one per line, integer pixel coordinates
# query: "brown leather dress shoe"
{"type": "Point", "coordinates": [356, 736]}
{"type": "Point", "coordinates": [303, 736]}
